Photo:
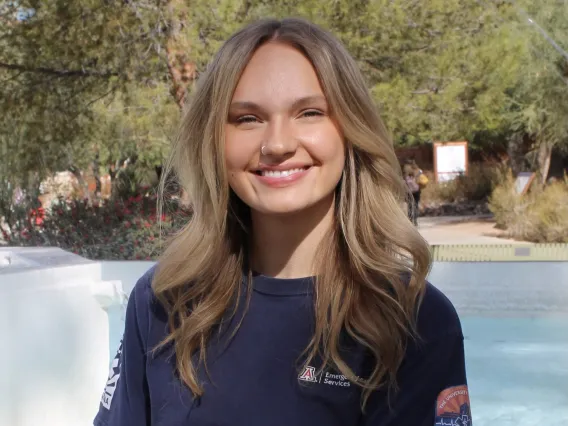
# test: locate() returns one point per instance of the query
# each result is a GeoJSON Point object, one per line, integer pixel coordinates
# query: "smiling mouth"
{"type": "Point", "coordinates": [281, 173]}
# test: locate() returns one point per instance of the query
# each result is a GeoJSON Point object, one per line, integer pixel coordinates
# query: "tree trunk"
{"type": "Point", "coordinates": [81, 180]}
{"type": "Point", "coordinates": [97, 175]}
{"type": "Point", "coordinates": [182, 70]}
{"type": "Point", "coordinates": [544, 157]}
{"type": "Point", "coordinates": [515, 152]}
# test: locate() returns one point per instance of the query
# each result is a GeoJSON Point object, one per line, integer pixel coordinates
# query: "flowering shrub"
{"type": "Point", "coordinates": [111, 230]}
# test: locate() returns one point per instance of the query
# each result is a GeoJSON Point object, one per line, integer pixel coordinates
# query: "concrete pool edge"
{"type": "Point", "coordinates": [522, 252]}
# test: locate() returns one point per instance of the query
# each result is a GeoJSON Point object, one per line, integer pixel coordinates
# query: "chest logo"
{"type": "Point", "coordinates": [309, 374]}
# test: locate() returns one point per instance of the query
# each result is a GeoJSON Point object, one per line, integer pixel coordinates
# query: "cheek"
{"type": "Point", "coordinates": [238, 157]}
{"type": "Point", "coordinates": [328, 149]}
{"type": "Point", "coordinates": [237, 153]}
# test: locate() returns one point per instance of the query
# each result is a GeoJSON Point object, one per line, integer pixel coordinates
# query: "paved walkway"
{"type": "Point", "coordinates": [461, 230]}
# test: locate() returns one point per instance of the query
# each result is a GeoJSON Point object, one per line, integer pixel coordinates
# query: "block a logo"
{"type": "Point", "coordinates": [308, 374]}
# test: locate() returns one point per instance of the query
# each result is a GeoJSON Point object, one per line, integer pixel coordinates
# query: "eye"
{"type": "Point", "coordinates": [311, 113]}
{"type": "Point", "coordinates": [246, 119]}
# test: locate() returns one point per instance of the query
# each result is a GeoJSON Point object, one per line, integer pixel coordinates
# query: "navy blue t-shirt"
{"type": "Point", "coordinates": [256, 379]}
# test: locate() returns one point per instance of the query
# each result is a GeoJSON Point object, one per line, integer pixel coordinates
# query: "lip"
{"type": "Point", "coordinates": [281, 181]}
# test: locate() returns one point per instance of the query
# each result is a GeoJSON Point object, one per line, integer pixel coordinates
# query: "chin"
{"type": "Point", "coordinates": [292, 205]}
{"type": "Point", "coordinates": [279, 209]}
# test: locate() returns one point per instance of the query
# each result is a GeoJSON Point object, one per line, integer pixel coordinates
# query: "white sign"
{"type": "Point", "coordinates": [450, 159]}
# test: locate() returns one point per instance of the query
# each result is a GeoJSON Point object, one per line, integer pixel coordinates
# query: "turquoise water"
{"type": "Point", "coordinates": [517, 369]}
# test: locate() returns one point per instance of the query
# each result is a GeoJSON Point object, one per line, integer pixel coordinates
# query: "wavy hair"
{"type": "Point", "coordinates": [372, 266]}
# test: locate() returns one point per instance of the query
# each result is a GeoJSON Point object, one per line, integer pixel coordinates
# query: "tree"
{"type": "Point", "coordinates": [98, 83]}
{"type": "Point", "coordinates": [538, 102]}
{"type": "Point", "coordinates": [58, 62]}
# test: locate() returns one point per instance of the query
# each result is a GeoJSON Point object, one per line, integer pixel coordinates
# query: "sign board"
{"type": "Point", "coordinates": [523, 182]}
{"type": "Point", "coordinates": [450, 160]}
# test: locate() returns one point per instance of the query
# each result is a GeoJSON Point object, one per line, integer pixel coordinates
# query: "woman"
{"type": "Point", "coordinates": [296, 295]}
{"type": "Point", "coordinates": [411, 173]}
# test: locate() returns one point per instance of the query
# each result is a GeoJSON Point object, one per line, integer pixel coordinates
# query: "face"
{"type": "Point", "coordinates": [284, 152]}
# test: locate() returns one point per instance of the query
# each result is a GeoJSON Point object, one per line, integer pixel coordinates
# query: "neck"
{"type": "Point", "coordinates": [285, 246]}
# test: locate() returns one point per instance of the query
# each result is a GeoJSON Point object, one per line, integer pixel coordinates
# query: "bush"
{"type": "Point", "coordinates": [541, 216]}
{"type": "Point", "coordinates": [477, 185]}
{"type": "Point", "coordinates": [111, 230]}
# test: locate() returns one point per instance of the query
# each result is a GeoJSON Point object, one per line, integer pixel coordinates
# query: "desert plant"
{"type": "Point", "coordinates": [477, 185]}
{"type": "Point", "coordinates": [540, 216]}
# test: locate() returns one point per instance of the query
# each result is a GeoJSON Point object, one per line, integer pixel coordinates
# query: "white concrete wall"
{"type": "Point", "coordinates": [54, 332]}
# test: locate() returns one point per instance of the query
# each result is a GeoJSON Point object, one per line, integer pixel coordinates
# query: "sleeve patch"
{"type": "Point", "coordinates": [453, 407]}
{"type": "Point", "coordinates": [112, 380]}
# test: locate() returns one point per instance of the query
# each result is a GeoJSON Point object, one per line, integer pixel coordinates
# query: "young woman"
{"type": "Point", "coordinates": [296, 295]}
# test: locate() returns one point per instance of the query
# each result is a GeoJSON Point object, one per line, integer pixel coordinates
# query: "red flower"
{"type": "Point", "coordinates": [127, 224]}
{"type": "Point", "coordinates": [147, 224]}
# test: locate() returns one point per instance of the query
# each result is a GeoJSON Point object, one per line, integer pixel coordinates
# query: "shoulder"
{"type": "Point", "coordinates": [146, 309]}
{"type": "Point", "coordinates": [437, 317]}
{"type": "Point", "coordinates": [142, 291]}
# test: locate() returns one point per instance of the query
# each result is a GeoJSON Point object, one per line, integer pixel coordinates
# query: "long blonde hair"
{"type": "Point", "coordinates": [371, 267]}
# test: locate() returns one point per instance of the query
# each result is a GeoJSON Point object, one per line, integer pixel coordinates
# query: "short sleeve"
{"type": "Point", "coordinates": [432, 388]}
{"type": "Point", "coordinates": [125, 399]}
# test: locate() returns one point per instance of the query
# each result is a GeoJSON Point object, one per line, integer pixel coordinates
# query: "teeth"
{"type": "Point", "coordinates": [280, 173]}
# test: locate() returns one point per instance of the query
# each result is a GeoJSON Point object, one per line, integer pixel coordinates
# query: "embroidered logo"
{"type": "Point", "coordinates": [112, 380]}
{"type": "Point", "coordinates": [308, 375]}
{"type": "Point", "coordinates": [453, 407]}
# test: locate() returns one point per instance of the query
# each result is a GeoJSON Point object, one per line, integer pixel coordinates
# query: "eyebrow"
{"type": "Point", "coordinates": [296, 104]}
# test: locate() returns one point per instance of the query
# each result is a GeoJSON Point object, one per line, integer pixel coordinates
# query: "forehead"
{"type": "Point", "coordinates": [276, 75]}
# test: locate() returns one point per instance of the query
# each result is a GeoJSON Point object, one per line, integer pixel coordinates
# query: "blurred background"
{"type": "Point", "coordinates": [91, 91]}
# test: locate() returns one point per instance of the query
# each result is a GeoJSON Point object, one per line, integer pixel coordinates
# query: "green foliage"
{"type": "Point", "coordinates": [93, 83]}
{"type": "Point", "coordinates": [57, 67]}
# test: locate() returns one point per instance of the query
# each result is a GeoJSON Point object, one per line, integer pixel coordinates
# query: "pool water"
{"type": "Point", "coordinates": [517, 368]}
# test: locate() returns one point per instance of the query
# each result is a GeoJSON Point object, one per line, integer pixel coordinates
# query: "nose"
{"type": "Point", "coordinates": [279, 140]}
